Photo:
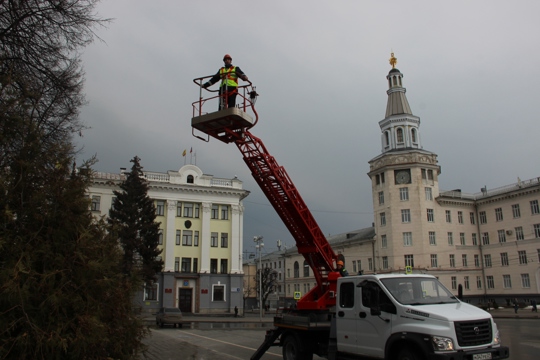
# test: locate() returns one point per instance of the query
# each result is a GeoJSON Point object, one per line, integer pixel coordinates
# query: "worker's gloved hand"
{"type": "Point", "coordinates": [245, 78]}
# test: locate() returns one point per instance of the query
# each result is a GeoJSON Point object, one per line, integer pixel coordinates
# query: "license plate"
{"type": "Point", "coordinates": [484, 356]}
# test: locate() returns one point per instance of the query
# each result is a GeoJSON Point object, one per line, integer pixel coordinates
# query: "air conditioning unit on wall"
{"type": "Point", "coordinates": [508, 232]}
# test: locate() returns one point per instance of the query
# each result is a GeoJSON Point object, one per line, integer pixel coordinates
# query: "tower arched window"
{"type": "Point", "coordinates": [190, 179]}
{"type": "Point", "coordinates": [296, 269]}
{"type": "Point", "coordinates": [413, 136]}
{"type": "Point", "coordinates": [399, 79]}
{"type": "Point", "coordinates": [399, 135]}
{"type": "Point", "coordinates": [394, 80]}
{"type": "Point", "coordinates": [386, 138]}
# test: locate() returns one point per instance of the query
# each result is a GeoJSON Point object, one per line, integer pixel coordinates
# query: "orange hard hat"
{"type": "Point", "coordinates": [227, 56]}
{"type": "Point", "coordinates": [340, 262]}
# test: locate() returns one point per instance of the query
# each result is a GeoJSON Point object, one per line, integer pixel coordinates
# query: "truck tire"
{"type": "Point", "coordinates": [294, 349]}
{"type": "Point", "coordinates": [408, 353]}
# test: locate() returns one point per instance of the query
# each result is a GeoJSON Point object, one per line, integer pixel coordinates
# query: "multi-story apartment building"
{"type": "Point", "coordinates": [201, 220]}
{"type": "Point", "coordinates": [484, 245]}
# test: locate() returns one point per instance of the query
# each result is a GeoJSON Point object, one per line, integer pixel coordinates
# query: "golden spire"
{"type": "Point", "coordinates": [393, 61]}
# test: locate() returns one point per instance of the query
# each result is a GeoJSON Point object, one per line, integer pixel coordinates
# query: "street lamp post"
{"type": "Point", "coordinates": [260, 245]}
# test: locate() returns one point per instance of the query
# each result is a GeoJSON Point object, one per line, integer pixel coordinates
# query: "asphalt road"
{"type": "Point", "coordinates": [223, 342]}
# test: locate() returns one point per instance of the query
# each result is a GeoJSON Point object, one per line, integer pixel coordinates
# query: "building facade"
{"type": "Point", "coordinates": [483, 246]}
{"type": "Point", "coordinates": [201, 219]}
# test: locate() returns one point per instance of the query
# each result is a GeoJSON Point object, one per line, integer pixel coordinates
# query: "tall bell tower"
{"type": "Point", "coordinates": [404, 182]}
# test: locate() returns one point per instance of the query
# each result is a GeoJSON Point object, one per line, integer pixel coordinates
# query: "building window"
{"type": "Point", "coordinates": [452, 260]}
{"type": "Point", "coordinates": [384, 241]}
{"type": "Point", "coordinates": [195, 265]}
{"type": "Point", "coordinates": [296, 270]}
{"type": "Point", "coordinates": [190, 179]}
{"type": "Point", "coordinates": [464, 260]}
{"type": "Point", "coordinates": [160, 238]}
{"type": "Point", "coordinates": [522, 257]}
{"type": "Point", "coordinates": [224, 212]}
{"type": "Point", "coordinates": [405, 215]}
{"type": "Point", "coordinates": [151, 292]}
{"type": "Point", "coordinates": [381, 197]}
{"type": "Point", "coordinates": [525, 281]}
{"type": "Point", "coordinates": [432, 239]}
{"type": "Point", "coordinates": [383, 219]}
{"type": "Point", "coordinates": [485, 238]}
{"type": "Point", "coordinates": [409, 260]}
{"type": "Point", "coordinates": [214, 239]}
{"type": "Point", "coordinates": [460, 217]}
{"type": "Point", "coordinates": [404, 194]}
{"type": "Point", "coordinates": [448, 216]}
{"type": "Point", "coordinates": [385, 262]}
{"type": "Point", "coordinates": [430, 175]}
{"type": "Point", "coordinates": [96, 203]}
{"type": "Point", "coordinates": [177, 264]}
{"type": "Point", "coordinates": [224, 240]}
{"type": "Point", "coordinates": [178, 209]}
{"type": "Point", "coordinates": [450, 238]}
{"type": "Point", "coordinates": [462, 238]}
{"type": "Point", "coordinates": [504, 259]}
{"type": "Point", "coordinates": [483, 217]}
{"type": "Point", "coordinates": [399, 134]}
{"type": "Point", "coordinates": [466, 283]}
{"type": "Point", "coordinates": [476, 260]}
{"type": "Point", "coordinates": [519, 233]}
{"type": "Point", "coordinates": [186, 265]}
{"type": "Point", "coordinates": [429, 194]}
{"type": "Point", "coordinates": [197, 211]}
{"type": "Point", "coordinates": [188, 210]}
{"type": "Point", "coordinates": [536, 230]}
{"type": "Point", "coordinates": [472, 217]}
{"type": "Point", "coordinates": [498, 214]}
{"type": "Point", "coordinates": [507, 282]}
{"type": "Point", "coordinates": [487, 260]}
{"type": "Point", "coordinates": [454, 282]}
{"type": "Point", "coordinates": [534, 207]}
{"type": "Point", "coordinates": [502, 236]}
{"type": "Point", "coordinates": [213, 266]}
{"type": "Point", "coordinates": [430, 216]}
{"type": "Point", "coordinates": [474, 239]}
{"type": "Point", "coordinates": [178, 236]}
{"type": "Point", "coordinates": [515, 211]}
{"type": "Point", "coordinates": [434, 260]}
{"type": "Point", "coordinates": [407, 239]}
{"type": "Point", "coordinates": [214, 213]}
{"type": "Point", "coordinates": [306, 269]}
{"type": "Point", "coordinates": [490, 282]}
{"type": "Point", "coordinates": [224, 266]}
{"type": "Point", "coordinates": [370, 264]}
{"type": "Point", "coordinates": [196, 239]}
{"type": "Point", "coordinates": [160, 208]}
{"type": "Point", "coordinates": [187, 237]}
{"type": "Point", "coordinates": [218, 292]}
{"type": "Point", "coordinates": [479, 282]}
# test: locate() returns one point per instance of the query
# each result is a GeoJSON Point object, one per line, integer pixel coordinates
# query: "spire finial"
{"type": "Point", "coordinates": [393, 60]}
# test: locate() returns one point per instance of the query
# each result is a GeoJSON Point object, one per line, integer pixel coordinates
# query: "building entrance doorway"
{"type": "Point", "coordinates": [184, 299]}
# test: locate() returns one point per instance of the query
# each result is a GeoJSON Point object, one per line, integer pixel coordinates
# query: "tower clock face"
{"type": "Point", "coordinates": [403, 177]}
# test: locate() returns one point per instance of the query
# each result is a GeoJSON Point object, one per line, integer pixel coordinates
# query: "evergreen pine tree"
{"type": "Point", "coordinates": [132, 219]}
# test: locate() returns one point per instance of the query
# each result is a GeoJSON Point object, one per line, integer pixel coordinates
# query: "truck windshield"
{"type": "Point", "coordinates": [412, 290]}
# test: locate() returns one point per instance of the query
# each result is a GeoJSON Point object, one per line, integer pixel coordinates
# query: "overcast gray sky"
{"type": "Point", "coordinates": [470, 70]}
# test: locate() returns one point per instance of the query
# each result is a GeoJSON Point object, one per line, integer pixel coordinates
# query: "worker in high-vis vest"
{"type": "Point", "coordinates": [228, 75]}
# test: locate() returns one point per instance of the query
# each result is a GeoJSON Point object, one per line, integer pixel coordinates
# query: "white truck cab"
{"type": "Point", "coordinates": [410, 317]}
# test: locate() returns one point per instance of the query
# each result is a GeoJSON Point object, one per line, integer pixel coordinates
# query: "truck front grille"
{"type": "Point", "coordinates": [471, 333]}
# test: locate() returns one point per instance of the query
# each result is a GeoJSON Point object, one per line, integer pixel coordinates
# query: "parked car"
{"type": "Point", "coordinates": [172, 316]}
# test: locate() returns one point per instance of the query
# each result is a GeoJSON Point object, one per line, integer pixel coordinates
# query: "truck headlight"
{"type": "Point", "coordinates": [497, 338]}
{"type": "Point", "coordinates": [442, 343]}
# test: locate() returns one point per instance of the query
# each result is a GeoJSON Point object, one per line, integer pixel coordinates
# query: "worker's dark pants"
{"type": "Point", "coordinates": [227, 96]}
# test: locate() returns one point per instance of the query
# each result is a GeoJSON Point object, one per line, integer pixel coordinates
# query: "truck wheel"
{"type": "Point", "coordinates": [409, 354]}
{"type": "Point", "coordinates": [293, 349]}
